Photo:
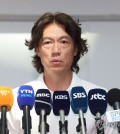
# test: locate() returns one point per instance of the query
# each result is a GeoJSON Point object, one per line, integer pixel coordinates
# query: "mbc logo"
{"type": "Point", "coordinates": [43, 95]}
{"type": "Point", "coordinates": [97, 96]}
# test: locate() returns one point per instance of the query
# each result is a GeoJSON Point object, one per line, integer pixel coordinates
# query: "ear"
{"type": "Point", "coordinates": [37, 51]}
{"type": "Point", "coordinates": [76, 51]}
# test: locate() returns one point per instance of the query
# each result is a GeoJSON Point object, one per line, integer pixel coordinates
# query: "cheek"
{"type": "Point", "coordinates": [69, 56]}
{"type": "Point", "coordinates": [44, 56]}
{"type": "Point", "coordinates": [42, 53]}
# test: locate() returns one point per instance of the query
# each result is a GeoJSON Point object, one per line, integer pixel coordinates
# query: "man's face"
{"type": "Point", "coordinates": [56, 49]}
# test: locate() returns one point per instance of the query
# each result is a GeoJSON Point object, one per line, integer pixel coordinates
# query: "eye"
{"type": "Point", "coordinates": [47, 42]}
{"type": "Point", "coordinates": [64, 43]}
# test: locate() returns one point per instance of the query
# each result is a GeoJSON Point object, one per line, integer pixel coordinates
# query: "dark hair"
{"type": "Point", "coordinates": [72, 27]}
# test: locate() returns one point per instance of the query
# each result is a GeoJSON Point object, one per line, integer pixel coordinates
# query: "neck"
{"type": "Point", "coordinates": [58, 81]}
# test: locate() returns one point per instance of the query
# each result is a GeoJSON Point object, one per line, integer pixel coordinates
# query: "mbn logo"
{"type": "Point", "coordinates": [79, 95]}
{"type": "Point", "coordinates": [97, 96]}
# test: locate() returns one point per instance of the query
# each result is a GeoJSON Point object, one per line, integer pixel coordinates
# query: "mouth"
{"type": "Point", "coordinates": [56, 61]}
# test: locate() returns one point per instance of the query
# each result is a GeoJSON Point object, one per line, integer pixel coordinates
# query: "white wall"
{"type": "Point", "coordinates": [86, 9]}
{"type": "Point", "coordinates": [15, 59]}
{"type": "Point", "coordinates": [100, 66]}
{"type": "Point", "coordinates": [102, 61]}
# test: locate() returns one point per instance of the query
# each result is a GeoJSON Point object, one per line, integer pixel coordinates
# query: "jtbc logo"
{"type": "Point", "coordinates": [97, 96]}
{"type": "Point", "coordinates": [43, 95]}
{"type": "Point", "coordinates": [79, 95]}
{"type": "Point", "coordinates": [61, 97]}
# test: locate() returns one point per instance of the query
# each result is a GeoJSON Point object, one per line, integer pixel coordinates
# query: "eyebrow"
{"type": "Point", "coordinates": [66, 37]}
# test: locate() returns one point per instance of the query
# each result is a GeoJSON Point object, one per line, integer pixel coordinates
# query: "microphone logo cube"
{"type": "Point", "coordinates": [79, 99]}
{"type": "Point", "coordinates": [25, 96]}
{"type": "Point", "coordinates": [43, 101]}
{"type": "Point", "coordinates": [97, 99]}
{"type": "Point", "coordinates": [61, 101]}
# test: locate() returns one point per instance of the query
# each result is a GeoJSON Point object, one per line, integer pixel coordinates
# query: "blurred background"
{"type": "Point", "coordinates": [100, 22]}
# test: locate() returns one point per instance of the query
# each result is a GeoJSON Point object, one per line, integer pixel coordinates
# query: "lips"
{"type": "Point", "coordinates": [56, 61]}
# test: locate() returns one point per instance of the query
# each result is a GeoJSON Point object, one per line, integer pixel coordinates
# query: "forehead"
{"type": "Point", "coordinates": [54, 30]}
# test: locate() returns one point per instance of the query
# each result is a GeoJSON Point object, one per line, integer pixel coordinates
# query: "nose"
{"type": "Point", "coordinates": [56, 50]}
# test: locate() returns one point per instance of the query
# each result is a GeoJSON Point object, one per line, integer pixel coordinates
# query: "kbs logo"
{"type": "Point", "coordinates": [61, 97]}
{"type": "Point", "coordinates": [97, 96]}
{"type": "Point", "coordinates": [43, 95]}
{"type": "Point", "coordinates": [79, 95]}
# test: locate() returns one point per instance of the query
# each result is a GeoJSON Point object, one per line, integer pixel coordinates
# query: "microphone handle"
{"type": "Point", "coordinates": [42, 124]}
{"type": "Point", "coordinates": [62, 123]}
{"type": "Point", "coordinates": [99, 124]}
{"type": "Point", "coordinates": [116, 106]}
{"type": "Point", "coordinates": [3, 120]}
{"type": "Point", "coordinates": [62, 116]}
{"type": "Point", "coordinates": [82, 128]}
{"type": "Point", "coordinates": [26, 120]}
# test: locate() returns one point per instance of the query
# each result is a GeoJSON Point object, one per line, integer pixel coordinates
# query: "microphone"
{"type": "Point", "coordinates": [43, 105]}
{"type": "Point", "coordinates": [61, 107]}
{"type": "Point", "coordinates": [25, 100]}
{"type": "Point", "coordinates": [79, 105]}
{"type": "Point", "coordinates": [97, 99]}
{"type": "Point", "coordinates": [6, 103]}
{"type": "Point", "coordinates": [114, 100]}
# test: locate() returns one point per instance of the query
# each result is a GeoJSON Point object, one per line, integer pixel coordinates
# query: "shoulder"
{"type": "Point", "coordinates": [36, 84]}
{"type": "Point", "coordinates": [85, 84]}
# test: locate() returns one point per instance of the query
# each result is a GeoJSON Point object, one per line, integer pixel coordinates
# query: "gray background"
{"type": "Point", "coordinates": [100, 24]}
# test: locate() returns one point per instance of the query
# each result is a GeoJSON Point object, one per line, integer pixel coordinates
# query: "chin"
{"type": "Point", "coordinates": [57, 69]}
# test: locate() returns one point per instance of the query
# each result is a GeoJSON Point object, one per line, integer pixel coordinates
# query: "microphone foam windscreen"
{"type": "Point", "coordinates": [79, 100]}
{"type": "Point", "coordinates": [113, 96]}
{"type": "Point", "coordinates": [97, 99]}
{"type": "Point", "coordinates": [43, 101]}
{"type": "Point", "coordinates": [6, 97]}
{"type": "Point", "coordinates": [25, 96]}
{"type": "Point", "coordinates": [61, 101]}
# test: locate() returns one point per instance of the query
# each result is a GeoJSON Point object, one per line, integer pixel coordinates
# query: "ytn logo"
{"type": "Point", "coordinates": [97, 96]}
{"type": "Point", "coordinates": [61, 97]}
{"type": "Point", "coordinates": [27, 91]}
{"type": "Point", "coordinates": [79, 95]}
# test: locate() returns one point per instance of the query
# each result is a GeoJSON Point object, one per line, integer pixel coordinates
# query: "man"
{"type": "Point", "coordinates": [57, 43]}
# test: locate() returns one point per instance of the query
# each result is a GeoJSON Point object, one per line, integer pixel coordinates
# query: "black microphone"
{"type": "Point", "coordinates": [61, 107]}
{"type": "Point", "coordinates": [25, 101]}
{"type": "Point", "coordinates": [6, 103]}
{"type": "Point", "coordinates": [79, 104]}
{"type": "Point", "coordinates": [114, 100]}
{"type": "Point", "coordinates": [97, 99]}
{"type": "Point", "coordinates": [43, 105]}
